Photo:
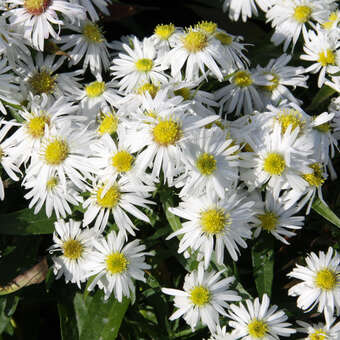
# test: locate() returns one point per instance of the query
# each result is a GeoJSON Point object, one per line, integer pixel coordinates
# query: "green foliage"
{"type": "Point", "coordinates": [323, 210]}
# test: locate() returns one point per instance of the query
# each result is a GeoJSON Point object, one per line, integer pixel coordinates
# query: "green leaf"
{"type": "Point", "coordinates": [4, 319]}
{"type": "Point", "coordinates": [24, 222]}
{"type": "Point", "coordinates": [323, 210]}
{"type": "Point", "coordinates": [262, 254]}
{"type": "Point", "coordinates": [323, 94]}
{"type": "Point", "coordinates": [67, 320]}
{"type": "Point", "coordinates": [98, 318]}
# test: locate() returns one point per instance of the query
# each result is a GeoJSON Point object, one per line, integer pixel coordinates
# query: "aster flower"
{"type": "Point", "coordinates": [90, 6]}
{"type": "Point", "coordinates": [116, 264]}
{"type": "Point", "coordinates": [320, 283]}
{"type": "Point", "coordinates": [203, 298]}
{"type": "Point", "coordinates": [222, 334]}
{"type": "Point", "coordinates": [258, 320]}
{"type": "Point", "coordinates": [76, 245]}
{"type": "Point", "coordinates": [328, 331]}
{"type": "Point", "coordinates": [162, 38]}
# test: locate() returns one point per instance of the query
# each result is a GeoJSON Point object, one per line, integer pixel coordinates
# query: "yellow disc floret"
{"type": "Point", "coordinates": [214, 220]}
{"type": "Point", "coordinates": [56, 152]}
{"type": "Point", "coordinates": [164, 31]}
{"type": "Point", "coordinates": [331, 21]}
{"type": "Point", "coordinates": [122, 161]}
{"type": "Point", "coordinates": [206, 164]}
{"type": "Point", "coordinates": [325, 279]}
{"type": "Point", "coordinates": [199, 296]}
{"type": "Point", "coordinates": [319, 334]}
{"type": "Point", "coordinates": [73, 249]}
{"type": "Point", "coordinates": [195, 41]}
{"type": "Point", "coordinates": [110, 199]}
{"type": "Point", "coordinates": [52, 183]}
{"type": "Point", "coordinates": [274, 164]}
{"type": "Point", "coordinates": [144, 65]}
{"type": "Point", "coordinates": [327, 57]}
{"type": "Point", "coordinates": [290, 117]}
{"type": "Point", "coordinates": [116, 263]}
{"type": "Point", "coordinates": [268, 220]}
{"type": "Point", "coordinates": [36, 126]}
{"type": "Point", "coordinates": [92, 33]}
{"type": "Point", "coordinates": [167, 132]}
{"type": "Point", "coordinates": [275, 82]}
{"type": "Point", "coordinates": [224, 38]}
{"type": "Point", "coordinates": [316, 178]}
{"type": "Point", "coordinates": [95, 89]}
{"type": "Point", "coordinates": [208, 27]}
{"type": "Point", "coordinates": [147, 87]}
{"type": "Point", "coordinates": [257, 328]}
{"type": "Point", "coordinates": [242, 79]}
{"type": "Point", "coordinates": [36, 7]}
{"type": "Point", "coordinates": [302, 14]}
{"type": "Point", "coordinates": [108, 124]}
{"type": "Point", "coordinates": [42, 82]}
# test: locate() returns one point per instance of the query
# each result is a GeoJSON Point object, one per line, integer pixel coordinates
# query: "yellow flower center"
{"type": "Point", "coordinates": [122, 161]}
{"type": "Point", "coordinates": [208, 27]}
{"type": "Point", "coordinates": [95, 89]}
{"type": "Point", "coordinates": [164, 31]}
{"type": "Point", "coordinates": [199, 296]}
{"type": "Point", "coordinates": [275, 83]}
{"type": "Point", "coordinates": [167, 132]}
{"type": "Point", "coordinates": [92, 33]}
{"type": "Point", "coordinates": [206, 164]}
{"type": "Point", "coordinates": [274, 164]}
{"type": "Point", "coordinates": [242, 79]}
{"type": "Point", "coordinates": [224, 38]}
{"type": "Point", "coordinates": [110, 199]}
{"type": "Point", "coordinates": [213, 221]}
{"type": "Point", "coordinates": [36, 7]}
{"type": "Point", "coordinates": [73, 249]}
{"type": "Point", "coordinates": [325, 127]}
{"type": "Point", "coordinates": [290, 117]}
{"type": "Point", "coordinates": [195, 41]}
{"type": "Point", "coordinates": [327, 58]}
{"type": "Point", "coordinates": [144, 65]}
{"type": "Point", "coordinates": [116, 263]}
{"type": "Point", "coordinates": [319, 334]}
{"type": "Point", "coordinates": [257, 328]}
{"type": "Point", "coordinates": [52, 183]}
{"type": "Point", "coordinates": [56, 152]}
{"type": "Point", "coordinates": [109, 124]}
{"type": "Point", "coordinates": [302, 14]}
{"type": "Point", "coordinates": [36, 126]}
{"type": "Point", "coordinates": [316, 178]}
{"type": "Point", "coordinates": [268, 220]}
{"type": "Point", "coordinates": [331, 20]}
{"type": "Point", "coordinates": [183, 92]}
{"type": "Point", "coordinates": [326, 279]}
{"type": "Point", "coordinates": [42, 82]}
{"type": "Point", "coordinates": [147, 87]}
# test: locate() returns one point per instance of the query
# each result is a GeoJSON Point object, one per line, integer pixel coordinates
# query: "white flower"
{"type": "Point", "coordinates": [76, 245]}
{"type": "Point", "coordinates": [36, 17]}
{"type": "Point", "coordinates": [258, 320]}
{"type": "Point", "coordinates": [90, 7]}
{"type": "Point", "coordinates": [320, 283]}
{"type": "Point", "coordinates": [319, 331]}
{"type": "Point", "coordinates": [237, 8]}
{"type": "Point", "coordinates": [214, 224]}
{"type": "Point", "coordinates": [116, 264]}
{"type": "Point", "coordinates": [162, 37]}
{"type": "Point", "coordinates": [203, 298]}
{"type": "Point", "coordinates": [222, 334]}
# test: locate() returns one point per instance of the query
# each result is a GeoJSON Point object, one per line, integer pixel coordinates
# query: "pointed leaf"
{"type": "Point", "coordinates": [323, 210]}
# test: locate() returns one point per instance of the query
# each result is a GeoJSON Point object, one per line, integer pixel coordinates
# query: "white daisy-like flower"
{"type": "Point", "coordinates": [274, 218]}
{"type": "Point", "coordinates": [76, 246]}
{"type": "Point", "coordinates": [53, 194]}
{"type": "Point", "coordinates": [197, 50]}
{"type": "Point", "coordinates": [319, 331]}
{"type": "Point", "coordinates": [89, 44]}
{"type": "Point", "coordinates": [331, 23]}
{"type": "Point", "coordinates": [322, 49]}
{"type": "Point", "coordinates": [215, 224]}
{"type": "Point", "coordinates": [117, 199]}
{"type": "Point", "coordinates": [290, 17]}
{"type": "Point", "coordinates": [256, 320]}
{"type": "Point", "coordinates": [138, 65]}
{"type": "Point", "coordinates": [91, 5]}
{"type": "Point", "coordinates": [116, 264]}
{"type": "Point", "coordinates": [210, 163]}
{"type": "Point", "coordinates": [242, 95]}
{"type": "Point", "coordinates": [281, 77]}
{"type": "Point", "coordinates": [222, 334]}
{"type": "Point", "coordinates": [320, 283]}
{"type": "Point", "coordinates": [7, 162]}
{"type": "Point", "coordinates": [162, 37]}
{"type": "Point", "coordinates": [203, 298]}
{"type": "Point", "coordinates": [37, 16]}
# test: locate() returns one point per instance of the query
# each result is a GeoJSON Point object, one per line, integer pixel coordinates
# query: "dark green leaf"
{"type": "Point", "coordinates": [323, 94]}
{"type": "Point", "coordinates": [263, 263]}
{"type": "Point", "coordinates": [323, 210]}
{"type": "Point", "coordinates": [24, 222]}
{"type": "Point", "coordinates": [4, 319]}
{"type": "Point", "coordinates": [68, 321]}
